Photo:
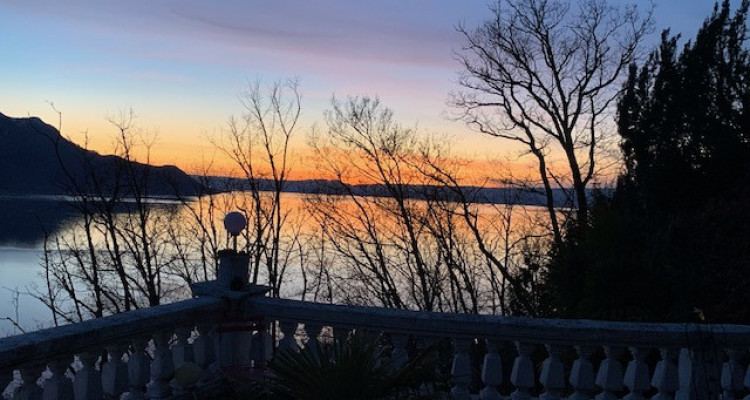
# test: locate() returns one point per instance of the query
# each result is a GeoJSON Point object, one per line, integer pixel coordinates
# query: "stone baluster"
{"type": "Point", "coordinates": [399, 356]}
{"type": "Point", "coordinates": [288, 328]}
{"type": "Point", "coordinates": [610, 378]}
{"type": "Point", "coordinates": [162, 367]}
{"type": "Point", "coordinates": [182, 357]}
{"type": "Point", "coordinates": [87, 383]}
{"type": "Point", "coordinates": [204, 352]}
{"type": "Point", "coordinates": [732, 374]}
{"type": "Point", "coordinates": [29, 389]}
{"type": "Point", "coordinates": [492, 371]}
{"type": "Point", "coordinates": [582, 374]}
{"type": "Point", "coordinates": [698, 370]}
{"type": "Point", "coordinates": [115, 372]}
{"type": "Point", "coordinates": [182, 352]}
{"type": "Point", "coordinates": [461, 369]}
{"type": "Point", "coordinates": [58, 386]}
{"type": "Point", "coordinates": [637, 378]}
{"type": "Point", "coordinates": [665, 374]}
{"type": "Point", "coordinates": [522, 375]}
{"type": "Point", "coordinates": [234, 345]}
{"type": "Point", "coordinates": [313, 332]}
{"type": "Point", "coordinates": [553, 374]}
{"type": "Point", "coordinates": [139, 364]}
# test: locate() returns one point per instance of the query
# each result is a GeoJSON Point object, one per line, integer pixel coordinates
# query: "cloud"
{"type": "Point", "coordinates": [381, 32]}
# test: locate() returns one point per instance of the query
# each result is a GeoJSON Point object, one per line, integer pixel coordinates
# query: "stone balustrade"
{"type": "Point", "coordinates": [130, 352]}
{"type": "Point", "coordinates": [135, 355]}
{"type": "Point", "coordinates": [603, 360]}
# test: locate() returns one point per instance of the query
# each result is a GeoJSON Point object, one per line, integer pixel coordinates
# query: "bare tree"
{"type": "Point", "coordinates": [544, 73]}
{"type": "Point", "coordinates": [258, 144]}
{"type": "Point", "coordinates": [400, 242]}
{"type": "Point", "coordinates": [117, 255]}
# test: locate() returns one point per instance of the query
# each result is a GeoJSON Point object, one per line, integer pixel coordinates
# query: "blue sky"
{"type": "Point", "coordinates": [180, 64]}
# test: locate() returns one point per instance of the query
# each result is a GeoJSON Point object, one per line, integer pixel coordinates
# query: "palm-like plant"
{"type": "Point", "coordinates": [353, 368]}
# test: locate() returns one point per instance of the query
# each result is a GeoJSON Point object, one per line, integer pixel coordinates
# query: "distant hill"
{"type": "Point", "coordinates": [36, 159]}
{"type": "Point", "coordinates": [481, 195]}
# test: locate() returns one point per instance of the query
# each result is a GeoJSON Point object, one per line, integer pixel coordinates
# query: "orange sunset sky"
{"type": "Point", "coordinates": [181, 65]}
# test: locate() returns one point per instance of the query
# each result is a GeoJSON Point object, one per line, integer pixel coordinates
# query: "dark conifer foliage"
{"type": "Point", "coordinates": [684, 119]}
{"type": "Point", "coordinates": [673, 239]}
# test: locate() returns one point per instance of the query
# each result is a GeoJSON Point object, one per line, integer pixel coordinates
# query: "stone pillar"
{"type": "Point", "coordinates": [233, 269]}
{"type": "Point", "coordinates": [115, 372]}
{"type": "Point", "coordinates": [582, 374]}
{"type": "Point", "coordinates": [162, 368]}
{"type": "Point", "coordinates": [609, 377]}
{"type": "Point", "coordinates": [732, 374]}
{"type": "Point", "coordinates": [58, 386]}
{"type": "Point", "coordinates": [698, 369]}
{"type": "Point", "coordinates": [138, 370]}
{"type": "Point", "coordinates": [461, 370]}
{"type": "Point", "coordinates": [29, 389]}
{"type": "Point", "coordinates": [204, 351]}
{"type": "Point", "coordinates": [522, 375]}
{"type": "Point", "coordinates": [636, 375]}
{"type": "Point", "coordinates": [288, 329]}
{"type": "Point", "coordinates": [553, 374]}
{"type": "Point", "coordinates": [492, 371]}
{"type": "Point", "coordinates": [313, 332]}
{"type": "Point", "coordinates": [88, 380]}
{"type": "Point", "coordinates": [665, 374]}
{"type": "Point", "coordinates": [399, 357]}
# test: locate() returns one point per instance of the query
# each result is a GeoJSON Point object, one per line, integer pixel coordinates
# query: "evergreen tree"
{"type": "Point", "coordinates": [684, 119]}
{"type": "Point", "coordinates": [674, 236]}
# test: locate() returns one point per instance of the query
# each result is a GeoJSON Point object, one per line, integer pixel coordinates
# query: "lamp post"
{"type": "Point", "coordinates": [235, 328]}
{"type": "Point", "coordinates": [233, 266]}
{"type": "Point", "coordinates": [234, 223]}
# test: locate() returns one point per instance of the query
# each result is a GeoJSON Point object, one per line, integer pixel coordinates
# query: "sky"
{"type": "Point", "coordinates": [181, 65]}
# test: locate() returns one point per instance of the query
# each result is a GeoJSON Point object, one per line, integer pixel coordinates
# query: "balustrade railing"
{"type": "Point", "coordinates": [135, 355]}
{"type": "Point", "coordinates": [603, 360]}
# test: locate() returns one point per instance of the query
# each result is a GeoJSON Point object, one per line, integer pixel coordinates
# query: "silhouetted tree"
{"type": "Point", "coordinates": [544, 74]}
{"type": "Point", "coordinates": [684, 118]}
{"type": "Point", "coordinates": [401, 229]}
{"type": "Point", "coordinates": [257, 143]}
{"type": "Point", "coordinates": [670, 240]}
{"type": "Point", "coordinates": [117, 255]}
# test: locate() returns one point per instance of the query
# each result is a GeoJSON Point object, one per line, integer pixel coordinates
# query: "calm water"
{"type": "Point", "coordinates": [23, 225]}
{"type": "Point", "coordinates": [23, 222]}
{"type": "Point", "coordinates": [19, 269]}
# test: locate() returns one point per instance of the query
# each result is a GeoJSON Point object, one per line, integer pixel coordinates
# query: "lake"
{"type": "Point", "coordinates": [26, 221]}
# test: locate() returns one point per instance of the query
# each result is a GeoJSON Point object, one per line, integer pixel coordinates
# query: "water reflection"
{"type": "Point", "coordinates": [23, 223]}
{"type": "Point", "coordinates": [25, 220]}
{"type": "Point", "coordinates": [324, 250]}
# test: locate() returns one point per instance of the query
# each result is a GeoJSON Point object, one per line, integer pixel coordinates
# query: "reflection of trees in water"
{"type": "Point", "coordinates": [365, 254]}
{"type": "Point", "coordinates": [436, 254]}
{"type": "Point", "coordinates": [26, 219]}
{"type": "Point", "coordinates": [334, 248]}
{"type": "Point", "coordinates": [98, 263]}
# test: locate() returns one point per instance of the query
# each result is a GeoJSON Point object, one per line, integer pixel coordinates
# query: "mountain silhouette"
{"type": "Point", "coordinates": [36, 160]}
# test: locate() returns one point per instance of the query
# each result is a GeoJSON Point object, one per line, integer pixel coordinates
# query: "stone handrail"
{"type": "Point", "coordinates": [531, 330]}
